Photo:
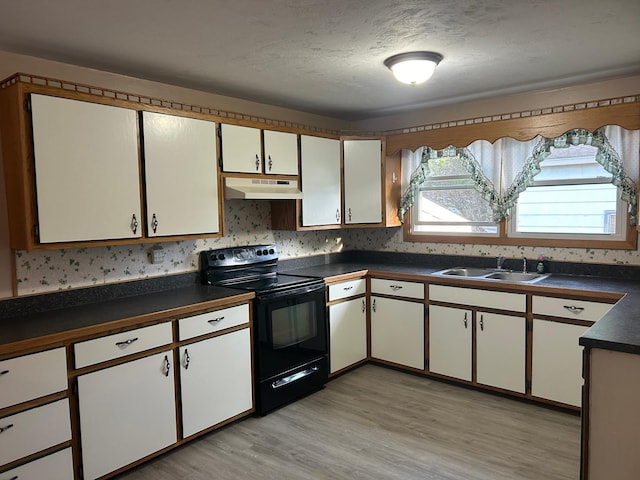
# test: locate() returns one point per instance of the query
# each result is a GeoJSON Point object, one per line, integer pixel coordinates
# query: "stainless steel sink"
{"type": "Point", "coordinates": [465, 272]}
{"type": "Point", "coordinates": [493, 274]}
{"type": "Point", "coordinates": [520, 277]}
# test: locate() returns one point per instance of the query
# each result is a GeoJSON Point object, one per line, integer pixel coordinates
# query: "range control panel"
{"type": "Point", "coordinates": [237, 256]}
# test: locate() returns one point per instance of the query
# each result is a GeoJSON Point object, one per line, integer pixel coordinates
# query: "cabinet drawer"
{"type": "Point", "coordinates": [34, 430]}
{"type": "Point", "coordinates": [347, 289]}
{"type": "Point", "coordinates": [214, 321]}
{"type": "Point", "coordinates": [397, 288]}
{"type": "Point", "coordinates": [514, 302]}
{"type": "Point", "coordinates": [568, 308]}
{"type": "Point", "coordinates": [32, 376]}
{"type": "Point", "coordinates": [58, 466]}
{"type": "Point", "coordinates": [122, 344]}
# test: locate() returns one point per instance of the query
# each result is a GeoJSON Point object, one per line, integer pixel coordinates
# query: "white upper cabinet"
{"type": "Point", "coordinates": [280, 153]}
{"type": "Point", "coordinates": [320, 172]}
{"type": "Point", "coordinates": [240, 149]}
{"type": "Point", "coordinates": [362, 181]}
{"type": "Point", "coordinates": [87, 170]}
{"type": "Point", "coordinates": [181, 175]}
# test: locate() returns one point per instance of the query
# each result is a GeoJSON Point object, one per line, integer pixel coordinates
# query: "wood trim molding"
{"type": "Point", "coordinates": [145, 102]}
{"type": "Point", "coordinates": [550, 122]}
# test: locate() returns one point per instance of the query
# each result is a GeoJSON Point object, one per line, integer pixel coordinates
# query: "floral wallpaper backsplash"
{"type": "Point", "coordinates": [248, 223]}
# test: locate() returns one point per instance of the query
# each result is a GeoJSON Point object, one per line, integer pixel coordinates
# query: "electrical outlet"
{"type": "Point", "coordinates": [156, 254]}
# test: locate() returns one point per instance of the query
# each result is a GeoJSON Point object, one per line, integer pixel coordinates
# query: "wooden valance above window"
{"type": "Point", "coordinates": [550, 122]}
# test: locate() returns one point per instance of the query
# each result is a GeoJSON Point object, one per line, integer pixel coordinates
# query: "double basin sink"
{"type": "Point", "coordinates": [493, 274]}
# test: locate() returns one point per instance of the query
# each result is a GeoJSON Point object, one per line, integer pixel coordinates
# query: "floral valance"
{"type": "Point", "coordinates": [502, 170]}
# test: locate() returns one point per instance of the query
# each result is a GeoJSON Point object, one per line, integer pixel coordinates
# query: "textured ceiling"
{"type": "Point", "coordinates": [326, 56]}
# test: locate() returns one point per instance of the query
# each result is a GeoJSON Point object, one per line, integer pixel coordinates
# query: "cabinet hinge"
{"type": "Point", "coordinates": [36, 231]}
{"type": "Point", "coordinates": [27, 104]}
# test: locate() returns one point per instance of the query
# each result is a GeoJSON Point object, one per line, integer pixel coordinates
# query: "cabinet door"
{"type": "Point", "coordinates": [500, 351]}
{"type": "Point", "coordinates": [347, 333]}
{"type": "Point", "coordinates": [240, 149]}
{"type": "Point", "coordinates": [215, 378]}
{"type": "Point", "coordinates": [363, 181]}
{"type": "Point", "coordinates": [87, 170]}
{"type": "Point", "coordinates": [557, 361]}
{"type": "Point", "coordinates": [320, 181]}
{"type": "Point", "coordinates": [397, 331]}
{"type": "Point", "coordinates": [450, 340]}
{"type": "Point", "coordinates": [126, 413]}
{"type": "Point", "coordinates": [181, 175]}
{"type": "Point", "coordinates": [280, 153]}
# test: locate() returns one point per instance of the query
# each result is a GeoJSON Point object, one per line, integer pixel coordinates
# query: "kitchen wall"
{"type": "Point", "coordinates": [248, 222]}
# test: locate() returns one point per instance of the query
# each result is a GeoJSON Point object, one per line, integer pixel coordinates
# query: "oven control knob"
{"type": "Point", "coordinates": [258, 252]}
{"type": "Point", "coordinates": [271, 251]}
{"type": "Point", "coordinates": [221, 256]}
{"type": "Point", "coordinates": [265, 252]}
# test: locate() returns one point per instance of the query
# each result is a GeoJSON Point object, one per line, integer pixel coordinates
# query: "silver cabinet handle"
{"type": "Point", "coordinates": [126, 343]}
{"type": "Point", "coordinates": [257, 163]}
{"type": "Point", "coordinates": [154, 223]}
{"type": "Point", "coordinates": [373, 305]}
{"type": "Point", "coordinates": [167, 366]}
{"type": "Point", "coordinates": [465, 319]}
{"type": "Point", "coordinates": [292, 378]}
{"type": "Point", "coordinates": [346, 289]}
{"type": "Point", "coordinates": [4, 372]}
{"type": "Point", "coordinates": [6, 427]}
{"type": "Point", "coordinates": [270, 163]}
{"type": "Point", "coordinates": [573, 308]}
{"type": "Point", "coordinates": [349, 213]}
{"type": "Point", "coordinates": [395, 288]}
{"type": "Point", "coordinates": [187, 359]}
{"type": "Point", "coordinates": [134, 224]}
{"type": "Point", "coordinates": [481, 323]}
{"type": "Point", "coordinates": [15, 477]}
{"type": "Point", "coordinates": [216, 320]}
{"type": "Point", "coordinates": [337, 215]}
{"type": "Point", "coordinates": [364, 305]}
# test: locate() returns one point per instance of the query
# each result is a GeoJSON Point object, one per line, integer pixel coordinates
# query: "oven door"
{"type": "Point", "coordinates": [291, 329]}
{"type": "Point", "coordinates": [290, 345]}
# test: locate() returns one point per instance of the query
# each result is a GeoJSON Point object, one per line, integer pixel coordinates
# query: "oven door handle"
{"type": "Point", "coordinates": [292, 378]}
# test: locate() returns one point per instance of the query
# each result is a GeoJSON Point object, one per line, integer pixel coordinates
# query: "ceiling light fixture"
{"type": "Point", "coordinates": [413, 67]}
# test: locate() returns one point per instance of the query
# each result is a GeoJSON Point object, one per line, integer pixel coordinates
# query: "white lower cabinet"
{"type": "Point", "coordinates": [34, 430]}
{"type": "Point", "coordinates": [56, 466]}
{"type": "Point", "coordinates": [501, 351]}
{"type": "Point", "coordinates": [556, 370]}
{"type": "Point", "coordinates": [215, 380]}
{"type": "Point", "coordinates": [450, 340]}
{"type": "Point", "coordinates": [127, 412]}
{"type": "Point", "coordinates": [397, 331]}
{"type": "Point", "coordinates": [347, 333]}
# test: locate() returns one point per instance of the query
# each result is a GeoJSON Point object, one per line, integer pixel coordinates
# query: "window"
{"type": "Point", "coordinates": [572, 196]}
{"type": "Point", "coordinates": [571, 190]}
{"type": "Point", "coordinates": [448, 202]}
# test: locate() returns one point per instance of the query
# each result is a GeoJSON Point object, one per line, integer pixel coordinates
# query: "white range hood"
{"type": "Point", "coordinates": [261, 189]}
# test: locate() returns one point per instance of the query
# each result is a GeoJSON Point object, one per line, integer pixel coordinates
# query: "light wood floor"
{"type": "Point", "coordinates": [377, 423]}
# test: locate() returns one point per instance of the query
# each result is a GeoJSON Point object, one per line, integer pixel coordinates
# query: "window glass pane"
{"type": "Point", "coordinates": [446, 166]}
{"type": "Point", "coordinates": [583, 209]}
{"type": "Point", "coordinates": [575, 162]}
{"type": "Point", "coordinates": [454, 210]}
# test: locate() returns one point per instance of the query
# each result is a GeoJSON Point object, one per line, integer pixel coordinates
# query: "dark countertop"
{"type": "Point", "coordinates": [81, 320]}
{"type": "Point", "coordinates": [58, 317]}
{"type": "Point", "coordinates": [618, 330]}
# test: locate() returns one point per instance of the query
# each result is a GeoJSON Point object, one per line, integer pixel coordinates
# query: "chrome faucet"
{"type": "Point", "coordinates": [524, 264]}
{"type": "Point", "coordinates": [500, 261]}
